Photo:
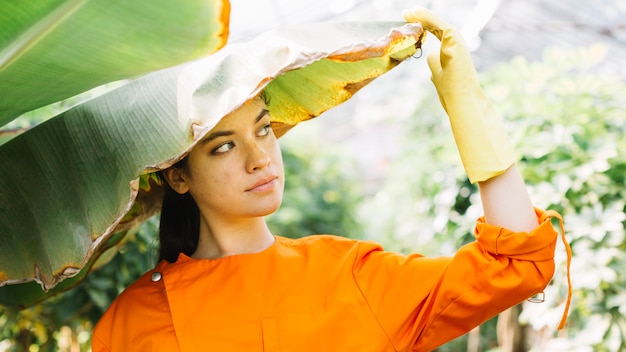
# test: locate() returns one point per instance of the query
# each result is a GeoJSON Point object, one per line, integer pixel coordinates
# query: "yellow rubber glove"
{"type": "Point", "coordinates": [483, 144]}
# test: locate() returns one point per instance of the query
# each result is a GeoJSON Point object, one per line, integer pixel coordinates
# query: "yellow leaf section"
{"type": "Point", "coordinates": [305, 93]}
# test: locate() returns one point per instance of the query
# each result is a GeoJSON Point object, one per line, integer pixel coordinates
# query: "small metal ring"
{"type": "Point", "coordinates": [420, 53]}
{"type": "Point", "coordinates": [538, 298]}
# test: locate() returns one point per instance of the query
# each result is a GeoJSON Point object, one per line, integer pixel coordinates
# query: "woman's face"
{"type": "Point", "coordinates": [236, 171]}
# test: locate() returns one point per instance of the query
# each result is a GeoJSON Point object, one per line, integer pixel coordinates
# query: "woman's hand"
{"type": "Point", "coordinates": [480, 137]}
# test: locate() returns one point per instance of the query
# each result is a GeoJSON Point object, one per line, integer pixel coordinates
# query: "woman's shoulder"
{"type": "Point", "coordinates": [327, 244]}
{"type": "Point", "coordinates": [148, 288]}
{"type": "Point", "coordinates": [141, 309]}
{"type": "Point", "coordinates": [316, 240]}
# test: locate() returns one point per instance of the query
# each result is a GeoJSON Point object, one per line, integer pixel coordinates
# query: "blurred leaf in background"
{"type": "Point", "coordinates": [321, 192]}
{"type": "Point", "coordinates": [570, 128]}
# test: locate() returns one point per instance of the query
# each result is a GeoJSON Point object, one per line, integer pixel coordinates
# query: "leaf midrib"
{"type": "Point", "coordinates": [38, 32]}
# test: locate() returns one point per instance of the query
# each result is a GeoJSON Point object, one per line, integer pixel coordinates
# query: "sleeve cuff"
{"type": "Point", "coordinates": [536, 245]}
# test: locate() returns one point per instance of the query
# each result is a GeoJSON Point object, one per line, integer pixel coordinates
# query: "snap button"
{"type": "Point", "coordinates": [156, 276]}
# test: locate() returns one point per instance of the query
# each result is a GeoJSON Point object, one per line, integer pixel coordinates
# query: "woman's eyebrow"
{"type": "Point", "coordinates": [261, 115]}
{"type": "Point", "coordinates": [216, 134]}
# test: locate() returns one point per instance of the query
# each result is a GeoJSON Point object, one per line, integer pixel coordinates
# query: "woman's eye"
{"type": "Point", "coordinates": [223, 148]}
{"type": "Point", "coordinates": [265, 130]}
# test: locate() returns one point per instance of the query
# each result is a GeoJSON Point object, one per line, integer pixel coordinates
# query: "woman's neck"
{"type": "Point", "coordinates": [232, 238]}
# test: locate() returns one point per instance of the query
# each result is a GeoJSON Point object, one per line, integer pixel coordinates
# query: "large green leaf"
{"type": "Point", "coordinates": [53, 49]}
{"type": "Point", "coordinates": [72, 182]}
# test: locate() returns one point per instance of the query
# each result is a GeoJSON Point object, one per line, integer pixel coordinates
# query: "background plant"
{"type": "Point", "coordinates": [568, 125]}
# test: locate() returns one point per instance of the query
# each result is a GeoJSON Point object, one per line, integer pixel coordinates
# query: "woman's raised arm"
{"type": "Point", "coordinates": [485, 149]}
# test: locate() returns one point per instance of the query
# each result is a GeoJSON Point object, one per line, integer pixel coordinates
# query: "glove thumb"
{"type": "Point", "coordinates": [434, 63]}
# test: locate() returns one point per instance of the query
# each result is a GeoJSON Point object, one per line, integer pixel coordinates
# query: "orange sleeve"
{"type": "Point", "coordinates": [423, 303]}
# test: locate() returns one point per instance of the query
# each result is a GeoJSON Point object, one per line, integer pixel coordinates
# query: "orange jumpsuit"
{"type": "Point", "coordinates": [328, 293]}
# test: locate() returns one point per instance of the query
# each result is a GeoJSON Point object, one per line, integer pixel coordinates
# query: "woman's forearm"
{"type": "Point", "coordinates": [506, 202]}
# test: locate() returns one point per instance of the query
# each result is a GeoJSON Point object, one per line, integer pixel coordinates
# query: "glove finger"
{"type": "Point", "coordinates": [429, 20]}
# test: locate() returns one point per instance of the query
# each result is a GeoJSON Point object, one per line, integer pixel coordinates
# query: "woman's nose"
{"type": "Point", "coordinates": [257, 159]}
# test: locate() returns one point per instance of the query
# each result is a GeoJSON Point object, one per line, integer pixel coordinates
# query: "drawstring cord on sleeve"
{"type": "Point", "coordinates": [568, 250]}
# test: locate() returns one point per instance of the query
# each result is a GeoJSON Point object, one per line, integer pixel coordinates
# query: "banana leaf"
{"type": "Point", "coordinates": [77, 180]}
{"type": "Point", "coordinates": [54, 49]}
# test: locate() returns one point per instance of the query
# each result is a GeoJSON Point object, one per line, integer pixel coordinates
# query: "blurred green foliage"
{"type": "Point", "coordinates": [321, 193]}
{"type": "Point", "coordinates": [570, 128]}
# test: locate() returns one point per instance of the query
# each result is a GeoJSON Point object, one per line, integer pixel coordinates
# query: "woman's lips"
{"type": "Point", "coordinates": [263, 185]}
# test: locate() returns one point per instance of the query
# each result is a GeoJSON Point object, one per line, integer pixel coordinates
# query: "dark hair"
{"type": "Point", "coordinates": [179, 226]}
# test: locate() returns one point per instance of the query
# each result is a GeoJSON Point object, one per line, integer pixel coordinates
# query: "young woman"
{"type": "Point", "coordinates": [226, 283]}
